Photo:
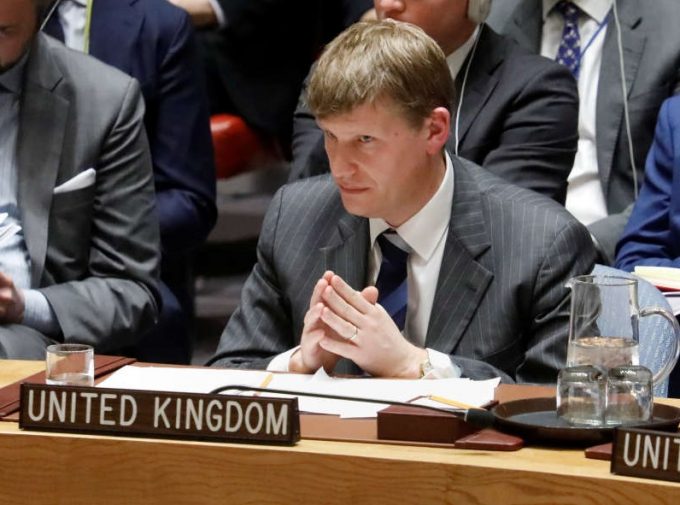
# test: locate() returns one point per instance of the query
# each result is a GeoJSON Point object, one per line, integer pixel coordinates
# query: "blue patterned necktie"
{"type": "Point", "coordinates": [569, 52]}
{"type": "Point", "coordinates": [391, 283]}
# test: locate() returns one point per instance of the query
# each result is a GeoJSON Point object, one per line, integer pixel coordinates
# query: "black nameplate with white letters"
{"type": "Point", "coordinates": [189, 416]}
{"type": "Point", "coordinates": [646, 453]}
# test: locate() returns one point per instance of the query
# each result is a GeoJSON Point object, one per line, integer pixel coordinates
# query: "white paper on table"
{"type": "Point", "coordinates": [475, 393]}
{"type": "Point", "coordinates": [204, 380]}
{"type": "Point", "coordinates": [180, 380]}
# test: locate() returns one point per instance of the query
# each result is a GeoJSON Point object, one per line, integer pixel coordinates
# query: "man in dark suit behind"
{"type": "Point", "coordinates": [153, 41]}
{"type": "Point", "coordinates": [76, 178]}
{"type": "Point", "coordinates": [651, 60]}
{"type": "Point", "coordinates": [518, 111]}
{"type": "Point", "coordinates": [470, 271]}
{"type": "Point", "coordinates": [257, 52]}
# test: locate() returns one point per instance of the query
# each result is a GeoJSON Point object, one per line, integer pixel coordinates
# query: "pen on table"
{"type": "Point", "coordinates": [265, 382]}
{"type": "Point", "coordinates": [452, 403]}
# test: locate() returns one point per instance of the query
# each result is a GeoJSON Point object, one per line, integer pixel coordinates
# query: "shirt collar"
{"type": "Point", "coordinates": [455, 59]}
{"type": "Point", "coordinates": [423, 231]}
{"type": "Point", "coordinates": [596, 9]}
{"type": "Point", "coordinates": [12, 78]}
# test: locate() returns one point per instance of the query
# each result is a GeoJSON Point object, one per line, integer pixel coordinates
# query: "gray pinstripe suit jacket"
{"type": "Point", "coordinates": [500, 306]}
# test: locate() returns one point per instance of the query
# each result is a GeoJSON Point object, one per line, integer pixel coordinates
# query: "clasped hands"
{"type": "Point", "coordinates": [344, 323]}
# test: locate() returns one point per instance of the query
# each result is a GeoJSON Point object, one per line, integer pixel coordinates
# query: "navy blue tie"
{"type": "Point", "coordinates": [391, 283]}
{"type": "Point", "coordinates": [569, 52]}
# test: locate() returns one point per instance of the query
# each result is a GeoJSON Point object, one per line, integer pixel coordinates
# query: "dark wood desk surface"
{"type": "Point", "coordinates": [77, 469]}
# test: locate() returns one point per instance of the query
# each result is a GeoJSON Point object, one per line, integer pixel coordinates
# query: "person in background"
{"type": "Point", "coordinates": [152, 41]}
{"type": "Point", "coordinates": [516, 112]}
{"type": "Point", "coordinates": [406, 261]}
{"type": "Point", "coordinates": [76, 186]}
{"type": "Point", "coordinates": [257, 52]}
{"type": "Point", "coordinates": [652, 235]}
{"type": "Point", "coordinates": [583, 35]}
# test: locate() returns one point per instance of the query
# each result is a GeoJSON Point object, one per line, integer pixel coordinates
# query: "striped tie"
{"type": "Point", "coordinates": [392, 285]}
{"type": "Point", "coordinates": [569, 52]}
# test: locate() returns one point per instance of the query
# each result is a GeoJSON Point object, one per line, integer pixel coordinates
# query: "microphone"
{"type": "Point", "coordinates": [479, 418]}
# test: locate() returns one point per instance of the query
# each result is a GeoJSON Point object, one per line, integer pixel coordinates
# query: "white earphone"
{"type": "Point", "coordinates": [478, 10]}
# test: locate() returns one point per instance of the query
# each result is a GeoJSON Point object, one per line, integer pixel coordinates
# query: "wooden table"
{"type": "Point", "coordinates": [77, 469]}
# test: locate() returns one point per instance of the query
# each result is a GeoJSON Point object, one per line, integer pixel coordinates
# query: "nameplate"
{"type": "Point", "coordinates": [189, 416]}
{"type": "Point", "coordinates": [646, 453]}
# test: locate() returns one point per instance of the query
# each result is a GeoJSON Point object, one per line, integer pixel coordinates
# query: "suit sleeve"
{"type": "Point", "coordinates": [650, 237]}
{"type": "Point", "coordinates": [538, 142]}
{"type": "Point", "coordinates": [118, 297]}
{"type": "Point", "coordinates": [569, 254]}
{"type": "Point", "coordinates": [178, 126]}
{"type": "Point", "coordinates": [261, 326]}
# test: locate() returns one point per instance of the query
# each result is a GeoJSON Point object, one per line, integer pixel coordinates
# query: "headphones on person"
{"type": "Point", "coordinates": [478, 10]}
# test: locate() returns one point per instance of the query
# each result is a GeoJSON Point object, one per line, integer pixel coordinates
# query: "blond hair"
{"type": "Point", "coordinates": [375, 60]}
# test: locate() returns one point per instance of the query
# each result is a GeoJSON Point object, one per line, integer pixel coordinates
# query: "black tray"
{"type": "Point", "coordinates": [535, 420]}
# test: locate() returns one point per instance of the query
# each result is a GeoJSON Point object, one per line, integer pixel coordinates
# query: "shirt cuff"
{"type": "Point", "coordinates": [280, 362]}
{"type": "Point", "coordinates": [442, 367]}
{"type": "Point", "coordinates": [38, 313]}
{"type": "Point", "coordinates": [219, 13]}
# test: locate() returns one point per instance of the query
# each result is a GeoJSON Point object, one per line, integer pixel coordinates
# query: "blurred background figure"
{"type": "Point", "coordinates": [605, 44]}
{"type": "Point", "coordinates": [257, 53]}
{"type": "Point", "coordinates": [153, 41]}
{"type": "Point", "coordinates": [652, 235]}
{"type": "Point", "coordinates": [81, 264]}
{"type": "Point", "coordinates": [516, 112]}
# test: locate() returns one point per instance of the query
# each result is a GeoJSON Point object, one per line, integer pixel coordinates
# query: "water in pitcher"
{"type": "Point", "coordinates": [603, 352]}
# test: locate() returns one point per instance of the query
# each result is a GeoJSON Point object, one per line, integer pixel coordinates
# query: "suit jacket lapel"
{"type": "Point", "coordinates": [42, 123]}
{"type": "Point", "coordinates": [114, 33]}
{"type": "Point", "coordinates": [347, 251]}
{"type": "Point", "coordinates": [609, 114]}
{"type": "Point", "coordinates": [462, 279]}
{"type": "Point", "coordinates": [481, 79]}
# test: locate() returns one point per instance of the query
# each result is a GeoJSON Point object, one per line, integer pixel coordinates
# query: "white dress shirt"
{"type": "Point", "coordinates": [585, 196]}
{"type": "Point", "coordinates": [425, 234]}
{"type": "Point", "coordinates": [455, 59]}
{"type": "Point", "coordinates": [73, 19]}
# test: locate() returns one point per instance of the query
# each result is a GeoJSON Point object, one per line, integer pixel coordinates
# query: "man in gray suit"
{"type": "Point", "coordinates": [517, 112]}
{"type": "Point", "coordinates": [651, 60]}
{"type": "Point", "coordinates": [77, 189]}
{"type": "Point", "coordinates": [472, 268]}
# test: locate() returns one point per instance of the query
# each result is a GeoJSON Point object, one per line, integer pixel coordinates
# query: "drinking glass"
{"type": "Point", "coordinates": [629, 395]}
{"type": "Point", "coordinates": [580, 395]}
{"type": "Point", "coordinates": [70, 365]}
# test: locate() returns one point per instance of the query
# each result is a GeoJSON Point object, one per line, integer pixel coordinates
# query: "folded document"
{"type": "Point", "coordinates": [204, 380]}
